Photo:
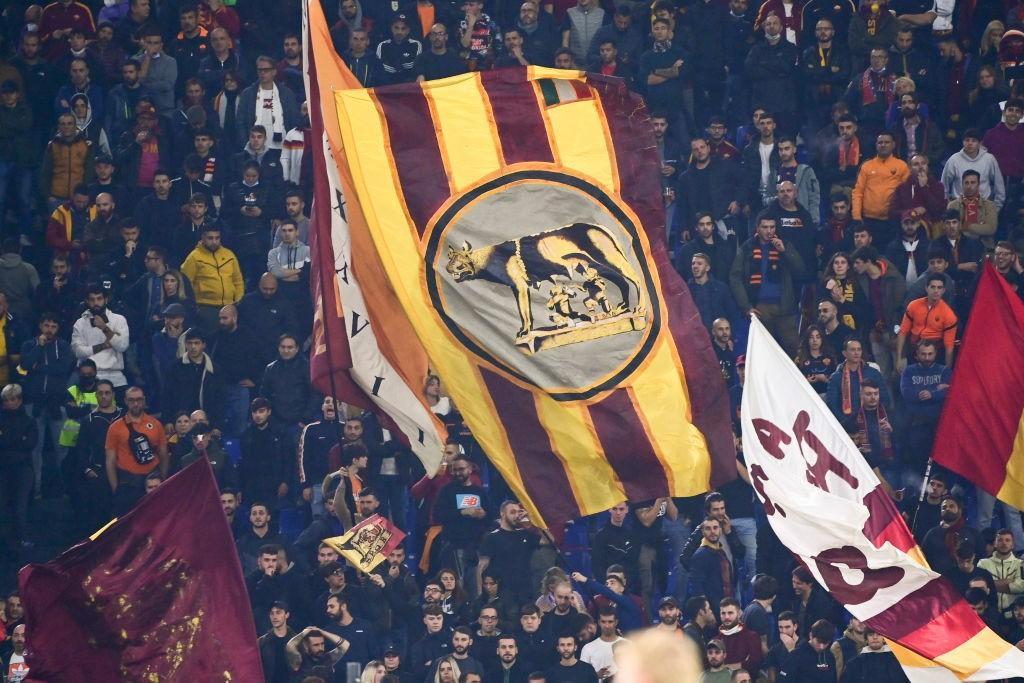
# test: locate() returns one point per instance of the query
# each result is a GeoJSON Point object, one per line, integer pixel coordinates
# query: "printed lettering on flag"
{"type": "Point", "coordinates": [830, 509]}
{"type": "Point", "coordinates": [368, 543]}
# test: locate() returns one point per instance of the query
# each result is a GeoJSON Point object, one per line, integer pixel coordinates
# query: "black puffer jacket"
{"type": "Point", "coordinates": [18, 436]}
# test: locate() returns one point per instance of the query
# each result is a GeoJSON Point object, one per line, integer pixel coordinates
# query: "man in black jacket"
{"type": "Point", "coordinates": [286, 385]}
{"type": "Point", "coordinates": [616, 544]}
{"type": "Point", "coordinates": [234, 355]}
{"type": "Point", "coordinates": [265, 315]}
{"type": "Point", "coordinates": [193, 382]}
{"type": "Point", "coordinates": [88, 488]}
{"type": "Point", "coordinates": [714, 506]}
{"type": "Point", "coordinates": [18, 436]}
{"type": "Point", "coordinates": [268, 458]}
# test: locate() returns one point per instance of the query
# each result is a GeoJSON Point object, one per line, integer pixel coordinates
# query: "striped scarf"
{"type": "Point", "coordinates": [773, 265]}
{"type": "Point", "coordinates": [847, 389]}
{"type": "Point", "coordinates": [885, 439]}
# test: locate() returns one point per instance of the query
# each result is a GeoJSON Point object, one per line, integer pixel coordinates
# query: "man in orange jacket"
{"type": "Point", "coordinates": [876, 184]}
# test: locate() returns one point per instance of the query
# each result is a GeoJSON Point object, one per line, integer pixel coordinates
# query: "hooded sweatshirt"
{"type": "Point", "coordinates": [985, 164]}
{"type": "Point", "coordinates": [18, 280]}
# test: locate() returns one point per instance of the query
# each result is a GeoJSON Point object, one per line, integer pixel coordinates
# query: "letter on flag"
{"type": "Point", "coordinates": [516, 217]}
{"type": "Point", "coordinates": [368, 543]}
{"type": "Point", "coordinates": [981, 431]}
{"type": "Point", "coordinates": [829, 508]}
{"type": "Point", "coordinates": [156, 596]}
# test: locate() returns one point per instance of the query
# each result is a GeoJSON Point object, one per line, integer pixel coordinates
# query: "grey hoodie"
{"type": "Point", "coordinates": [985, 164]}
{"type": "Point", "coordinates": [18, 280]}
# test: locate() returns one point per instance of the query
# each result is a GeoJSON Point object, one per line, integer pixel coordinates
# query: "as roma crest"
{"type": "Point", "coordinates": [543, 275]}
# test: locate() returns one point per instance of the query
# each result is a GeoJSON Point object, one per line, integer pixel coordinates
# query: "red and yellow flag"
{"type": "Point", "coordinates": [368, 543]}
{"type": "Point", "coordinates": [514, 220]}
{"type": "Point", "coordinates": [981, 431]}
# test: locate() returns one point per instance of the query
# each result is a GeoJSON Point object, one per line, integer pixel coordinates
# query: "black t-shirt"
{"type": "Point", "coordinates": [739, 497]}
{"type": "Point", "coordinates": [647, 535]}
{"type": "Point", "coordinates": [580, 672]}
{"type": "Point", "coordinates": [359, 634]}
{"type": "Point", "coordinates": [509, 552]}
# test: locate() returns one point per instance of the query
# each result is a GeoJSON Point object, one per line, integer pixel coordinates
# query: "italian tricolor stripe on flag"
{"type": "Point", "coordinates": [560, 91]}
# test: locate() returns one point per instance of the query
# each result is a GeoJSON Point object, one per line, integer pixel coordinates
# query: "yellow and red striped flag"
{"type": "Point", "coordinates": [980, 438]}
{"type": "Point", "coordinates": [515, 217]}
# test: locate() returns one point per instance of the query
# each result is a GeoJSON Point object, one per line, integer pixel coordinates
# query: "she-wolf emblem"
{"type": "Point", "coordinates": [579, 257]}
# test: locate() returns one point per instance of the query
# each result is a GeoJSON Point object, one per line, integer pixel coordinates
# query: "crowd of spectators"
{"type": "Point", "coordinates": [842, 172]}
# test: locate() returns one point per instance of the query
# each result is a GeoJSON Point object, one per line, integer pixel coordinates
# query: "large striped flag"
{"type": "Point", "coordinates": [827, 506]}
{"type": "Point", "coordinates": [981, 431]}
{"type": "Point", "coordinates": [514, 221]}
{"type": "Point", "coordinates": [364, 351]}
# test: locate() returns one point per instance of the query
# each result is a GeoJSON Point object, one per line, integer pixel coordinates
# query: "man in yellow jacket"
{"type": "Point", "coordinates": [876, 184]}
{"type": "Point", "coordinates": [215, 275]}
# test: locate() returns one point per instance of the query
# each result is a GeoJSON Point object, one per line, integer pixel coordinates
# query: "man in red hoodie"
{"type": "Point", "coordinates": [1006, 142]}
{"type": "Point", "coordinates": [742, 646]}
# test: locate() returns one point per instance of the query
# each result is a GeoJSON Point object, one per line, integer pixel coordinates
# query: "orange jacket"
{"type": "Point", "coordinates": [924, 322]}
{"type": "Point", "coordinates": [876, 185]}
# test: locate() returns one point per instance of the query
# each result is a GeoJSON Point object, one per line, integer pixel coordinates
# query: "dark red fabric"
{"type": "Point", "coordinates": [157, 596]}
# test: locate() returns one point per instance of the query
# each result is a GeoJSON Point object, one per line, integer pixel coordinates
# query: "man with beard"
{"type": "Point", "coordinates": [99, 235]}
{"type": "Point", "coordinates": [978, 216]}
{"type": "Point", "coordinates": [215, 274]}
{"type": "Point", "coordinates": [707, 240]}
{"type": "Point", "coordinates": [711, 570]}
{"type": "Point", "coordinates": [157, 215]}
{"type": "Point", "coordinates": [916, 134]}
{"type": "Point", "coordinates": [510, 667]}
{"type": "Point", "coordinates": [461, 509]}
{"type": "Point", "coordinates": [826, 69]}
{"type": "Point", "coordinates": [795, 222]}
{"type": "Point", "coordinates": [909, 251]}
{"type": "Point", "coordinates": [712, 296]}
{"type": "Point", "coordinates": [712, 186]}
{"type": "Point", "coordinates": [570, 669]}
{"type": "Point", "coordinates": [742, 645]}
{"type": "Point", "coordinates": [233, 352]}
{"type": "Point", "coordinates": [940, 542]}
{"type": "Point", "coordinates": [136, 445]}
{"type": "Point", "coordinates": [102, 336]}
{"type": "Point", "coordinates": [540, 34]}
{"type": "Point", "coordinates": [358, 633]}
{"type": "Point", "coordinates": [314, 659]}
{"type": "Point", "coordinates": [439, 61]}
{"type": "Point", "coordinates": [507, 550]}
{"type": "Point", "coordinates": [699, 619]}
{"type": "Point", "coordinates": [45, 363]}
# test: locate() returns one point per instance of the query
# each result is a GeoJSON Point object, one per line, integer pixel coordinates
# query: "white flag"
{"type": "Point", "coordinates": [828, 507]}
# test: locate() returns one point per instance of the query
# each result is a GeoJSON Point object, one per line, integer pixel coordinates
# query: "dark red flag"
{"type": "Point", "coordinates": [158, 596]}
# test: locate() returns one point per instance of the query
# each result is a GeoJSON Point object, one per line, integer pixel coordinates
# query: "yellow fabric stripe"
{"type": "Point", "coordinates": [661, 399]}
{"type": "Point", "coordinates": [572, 434]}
{"type": "Point", "coordinates": [578, 130]}
{"type": "Point", "coordinates": [466, 131]}
{"type": "Point", "coordinates": [397, 243]}
{"type": "Point", "coordinates": [909, 658]}
{"type": "Point", "coordinates": [970, 656]}
{"type": "Point", "coordinates": [1012, 490]}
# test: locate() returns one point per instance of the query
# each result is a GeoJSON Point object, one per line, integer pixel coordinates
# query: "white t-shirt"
{"type": "Point", "coordinates": [598, 654]}
{"type": "Point", "coordinates": [17, 669]}
{"type": "Point", "coordinates": [766, 162]}
{"type": "Point", "coordinates": [944, 11]}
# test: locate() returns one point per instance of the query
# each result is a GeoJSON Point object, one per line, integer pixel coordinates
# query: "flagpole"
{"type": "Point", "coordinates": [920, 497]}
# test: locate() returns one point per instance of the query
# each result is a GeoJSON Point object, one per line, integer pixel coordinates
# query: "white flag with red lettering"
{"type": "Point", "coordinates": [828, 507]}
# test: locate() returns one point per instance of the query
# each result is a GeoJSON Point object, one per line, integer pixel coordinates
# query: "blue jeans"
{"type": "Point", "coordinates": [236, 410]}
{"type": "Point", "coordinates": [746, 530]}
{"type": "Point", "coordinates": [1011, 517]}
{"type": "Point", "coordinates": [21, 179]}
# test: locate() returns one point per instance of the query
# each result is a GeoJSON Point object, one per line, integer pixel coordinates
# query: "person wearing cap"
{"type": "Point", "coordinates": [909, 251]}
{"type": "Point", "coordinates": [398, 53]}
{"type": "Point", "coordinates": [193, 382]}
{"type": "Point", "coordinates": [165, 344]}
{"type": "Point", "coordinates": [391, 657]}
{"type": "Point", "coordinates": [272, 644]}
{"type": "Point", "coordinates": [215, 274]}
{"type": "Point", "coordinates": [17, 155]}
{"type": "Point", "coordinates": [103, 174]}
{"type": "Point", "coordinates": [716, 671]}
{"type": "Point", "coordinates": [972, 156]}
